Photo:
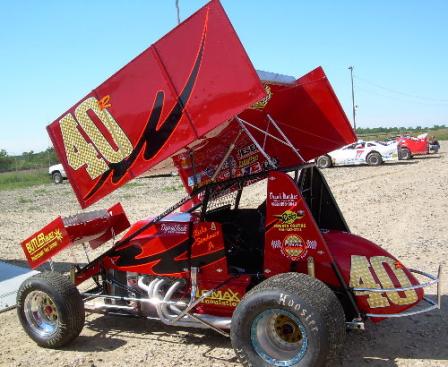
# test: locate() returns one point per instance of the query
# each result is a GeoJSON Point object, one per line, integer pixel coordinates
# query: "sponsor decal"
{"type": "Point", "coordinates": [293, 247]}
{"type": "Point", "coordinates": [247, 151]}
{"type": "Point", "coordinates": [311, 244]}
{"type": "Point", "coordinates": [283, 199]}
{"type": "Point", "coordinates": [204, 234]}
{"type": "Point", "coordinates": [225, 297]}
{"type": "Point", "coordinates": [261, 104]}
{"type": "Point", "coordinates": [288, 219]}
{"type": "Point", "coordinates": [276, 244]}
{"type": "Point", "coordinates": [289, 216]}
{"type": "Point", "coordinates": [248, 161]}
{"type": "Point", "coordinates": [42, 243]}
{"type": "Point", "coordinates": [46, 243]}
{"type": "Point", "coordinates": [174, 228]}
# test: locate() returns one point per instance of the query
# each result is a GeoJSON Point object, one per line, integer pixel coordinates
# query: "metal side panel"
{"type": "Point", "coordinates": [11, 277]}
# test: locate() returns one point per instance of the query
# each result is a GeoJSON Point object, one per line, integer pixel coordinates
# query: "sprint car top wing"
{"type": "Point", "coordinates": [185, 85]}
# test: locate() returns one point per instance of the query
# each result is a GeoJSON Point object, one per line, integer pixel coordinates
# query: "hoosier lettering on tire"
{"type": "Point", "coordinates": [50, 309]}
{"type": "Point", "coordinates": [290, 319]}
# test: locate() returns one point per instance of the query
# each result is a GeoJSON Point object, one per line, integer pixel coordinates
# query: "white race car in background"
{"type": "Point", "coordinates": [372, 153]}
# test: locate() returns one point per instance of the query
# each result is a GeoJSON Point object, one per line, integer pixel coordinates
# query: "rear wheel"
{"type": "Point", "coordinates": [405, 154]}
{"type": "Point", "coordinates": [324, 162]}
{"type": "Point", "coordinates": [50, 309]}
{"type": "Point", "coordinates": [57, 177]}
{"type": "Point", "coordinates": [374, 159]}
{"type": "Point", "coordinates": [288, 320]}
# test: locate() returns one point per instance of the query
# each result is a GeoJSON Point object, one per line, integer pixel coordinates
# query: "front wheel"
{"type": "Point", "coordinates": [50, 309]}
{"type": "Point", "coordinates": [405, 154]}
{"type": "Point", "coordinates": [57, 177]}
{"type": "Point", "coordinates": [288, 320]}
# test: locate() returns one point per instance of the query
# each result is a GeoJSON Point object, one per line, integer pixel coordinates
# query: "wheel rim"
{"type": "Point", "coordinates": [324, 163]}
{"type": "Point", "coordinates": [41, 313]}
{"type": "Point", "coordinates": [373, 159]}
{"type": "Point", "coordinates": [279, 337]}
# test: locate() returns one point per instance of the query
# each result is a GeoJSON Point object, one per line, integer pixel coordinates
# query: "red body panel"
{"type": "Point", "coordinates": [45, 243]}
{"type": "Point", "coordinates": [309, 114]}
{"type": "Point", "coordinates": [183, 86]}
{"type": "Point", "coordinates": [292, 237]}
{"type": "Point", "coordinates": [362, 261]}
{"type": "Point", "coordinates": [307, 111]}
{"type": "Point", "coordinates": [292, 240]}
{"type": "Point", "coordinates": [95, 227]}
{"type": "Point", "coordinates": [417, 146]}
{"type": "Point", "coordinates": [163, 249]}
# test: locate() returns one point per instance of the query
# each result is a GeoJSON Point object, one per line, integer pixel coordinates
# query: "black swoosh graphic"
{"type": "Point", "coordinates": [167, 263]}
{"type": "Point", "coordinates": [151, 138]}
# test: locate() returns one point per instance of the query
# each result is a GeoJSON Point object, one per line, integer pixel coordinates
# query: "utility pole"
{"type": "Point", "coordinates": [178, 11]}
{"type": "Point", "coordinates": [353, 98]}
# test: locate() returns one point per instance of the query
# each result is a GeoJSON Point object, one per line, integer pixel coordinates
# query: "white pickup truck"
{"type": "Point", "coordinates": [57, 173]}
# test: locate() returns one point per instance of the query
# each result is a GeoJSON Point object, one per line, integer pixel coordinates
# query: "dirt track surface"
{"type": "Point", "coordinates": [401, 206]}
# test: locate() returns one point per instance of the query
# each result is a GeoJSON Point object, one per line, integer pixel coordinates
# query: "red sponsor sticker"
{"type": "Point", "coordinates": [293, 247]}
{"type": "Point", "coordinates": [45, 243]}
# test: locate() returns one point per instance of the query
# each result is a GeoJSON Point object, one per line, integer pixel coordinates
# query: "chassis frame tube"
{"type": "Point", "coordinates": [432, 304]}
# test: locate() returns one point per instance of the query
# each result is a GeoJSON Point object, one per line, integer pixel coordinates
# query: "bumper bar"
{"type": "Point", "coordinates": [432, 304]}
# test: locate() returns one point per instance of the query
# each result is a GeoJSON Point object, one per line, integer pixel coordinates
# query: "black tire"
{"type": "Point", "coordinates": [50, 309]}
{"type": "Point", "coordinates": [374, 159]}
{"type": "Point", "coordinates": [324, 161]}
{"type": "Point", "coordinates": [291, 311]}
{"type": "Point", "coordinates": [57, 177]}
{"type": "Point", "coordinates": [405, 154]}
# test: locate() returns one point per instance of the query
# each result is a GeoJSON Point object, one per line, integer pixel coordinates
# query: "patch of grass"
{"type": "Point", "coordinates": [133, 184]}
{"type": "Point", "coordinates": [23, 179]}
{"type": "Point", "coordinates": [22, 200]}
{"type": "Point", "coordinates": [172, 188]}
{"type": "Point", "coordinates": [126, 196]}
{"type": "Point", "coordinates": [40, 192]}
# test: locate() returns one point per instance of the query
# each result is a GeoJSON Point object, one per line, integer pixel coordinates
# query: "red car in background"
{"type": "Point", "coordinates": [410, 146]}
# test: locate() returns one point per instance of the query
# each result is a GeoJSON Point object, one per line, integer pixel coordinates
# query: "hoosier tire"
{"type": "Point", "coordinates": [289, 320]}
{"type": "Point", "coordinates": [50, 309]}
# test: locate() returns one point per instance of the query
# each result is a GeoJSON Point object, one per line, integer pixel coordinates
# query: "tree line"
{"type": "Point", "coordinates": [27, 160]}
{"type": "Point", "coordinates": [398, 130]}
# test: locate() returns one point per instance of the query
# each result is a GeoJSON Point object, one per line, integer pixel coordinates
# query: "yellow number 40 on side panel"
{"type": "Point", "coordinates": [361, 277]}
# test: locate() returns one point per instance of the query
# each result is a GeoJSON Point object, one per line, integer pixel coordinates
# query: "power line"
{"type": "Point", "coordinates": [441, 101]}
{"type": "Point", "coordinates": [368, 90]}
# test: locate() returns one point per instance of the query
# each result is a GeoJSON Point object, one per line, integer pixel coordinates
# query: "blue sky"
{"type": "Point", "coordinates": [52, 53]}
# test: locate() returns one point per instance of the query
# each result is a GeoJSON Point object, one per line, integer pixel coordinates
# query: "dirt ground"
{"type": "Point", "coordinates": [402, 206]}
